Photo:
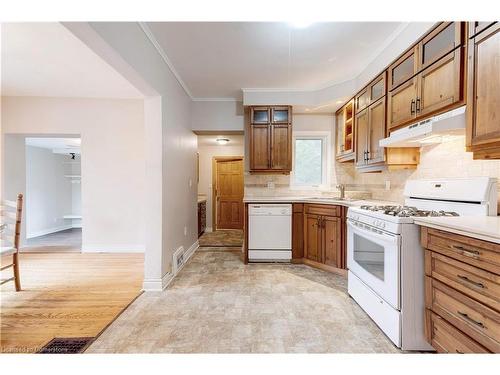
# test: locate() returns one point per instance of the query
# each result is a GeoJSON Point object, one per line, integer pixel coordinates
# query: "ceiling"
{"type": "Point", "coordinates": [210, 140]}
{"type": "Point", "coordinates": [46, 59]}
{"type": "Point", "coordinates": [218, 59]}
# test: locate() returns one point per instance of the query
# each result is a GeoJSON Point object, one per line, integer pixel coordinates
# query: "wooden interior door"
{"type": "Point", "coordinates": [312, 237]}
{"type": "Point", "coordinates": [376, 131]}
{"type": "Point", "coordinates": [229, 193]}
{"type": "Point", "coordinates": [332, 241]}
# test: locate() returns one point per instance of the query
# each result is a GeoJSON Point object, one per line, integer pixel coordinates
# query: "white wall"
{"type": "Point", "coordinates": [217, 116]}
{"type": "Point", "coordinates": [126, 46]}
{"type": "Point", "coordinates": [48, 193]}
{"type": "Point", "coordinates": [112, 164]}
{"type": "Point", "coordinates": [207, 152]}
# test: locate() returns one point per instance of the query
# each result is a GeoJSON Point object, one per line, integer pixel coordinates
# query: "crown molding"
{"type": "Point", "coordinates": [216, 100]}
{"type": "Point", "coordinates": [147, 31]}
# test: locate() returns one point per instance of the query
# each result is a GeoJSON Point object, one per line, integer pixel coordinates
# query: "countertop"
{"type": "Point", "coordinates": [349, 202]}
{"type": "Point", "coordinates": [202, 199]}
{"type": "Point", "coordinates": [482, 227]}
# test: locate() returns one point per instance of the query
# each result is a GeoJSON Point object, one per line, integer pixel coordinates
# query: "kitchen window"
{"type": "Point", "coordinates": [311, 164]}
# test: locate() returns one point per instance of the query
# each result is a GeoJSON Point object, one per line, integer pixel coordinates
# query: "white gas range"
{"type": "Point", "coordinates": [385, 259]}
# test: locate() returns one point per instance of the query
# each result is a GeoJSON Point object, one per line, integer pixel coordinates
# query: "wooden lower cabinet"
{"type": "Point", "coordinates": [462, 292]}
{"type": "Point", "coordinates": [332, 241]}
{"type": "Point", "coordinates": [297, 231]}
{"type": "Point", "coordinates": [323, 239]}
{"type": "Point", "coordinates": [312, 237]}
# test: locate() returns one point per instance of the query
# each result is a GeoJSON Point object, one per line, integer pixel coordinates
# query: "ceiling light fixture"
{"type": "Point", "coordinates": [222, 141]}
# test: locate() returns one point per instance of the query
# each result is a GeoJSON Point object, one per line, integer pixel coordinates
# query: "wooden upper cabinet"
{"type": "Point", "coordinates": [260, 115]}
{"type": "Point", "coordinates": [260, 150]}
{"type": "Point", "coordinates": [401, 103]}
{"type": "Point", "coordinates": [371, 93]}
{"type": "Point", "coordinates": [429, 78]}
{"type": "Point", "coordinates": [281, 115]}
{"type": "Point", "coordinates": [403, 68]}
{"type": "Point", "coordinates": [362, 100]}
{"type": "Point", "coordinates": [270, 131]}
{"type": "Point", "coordinates": [483, 105]}
{"type": "Point", "coordinates": [339, 123]}
{"type": "Point", "coordinates": [345, 132]}
{"type": "Point", "coordinates": [281, 147]}
{"type": "Point", "coordinates": [478, 26]}
{"type": "Point", "coordinates": [441, 85]}
{"type": "Point", "coordinates": [376, 132]}
{"type": "Point", "coordinates": [439, 42]}
{"type": "Point", "coordinates": [361, 137]}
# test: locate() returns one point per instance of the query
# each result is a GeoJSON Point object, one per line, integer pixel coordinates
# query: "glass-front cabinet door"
{"type": "Point", "coordinates": [280, 115]}
{"type": "Point", "coordinates": [444, 39]}
{"type": "Point", "coordinates": [260, 115]}
{"type": "Point", "coordinates": [403, 69]}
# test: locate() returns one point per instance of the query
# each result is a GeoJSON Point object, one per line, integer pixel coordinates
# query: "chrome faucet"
{"type": "Point", "coordinates": [341, 188]}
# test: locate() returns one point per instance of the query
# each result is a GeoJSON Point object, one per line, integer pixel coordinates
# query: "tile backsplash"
{"type": "Point", "coordinates": [443, 160]}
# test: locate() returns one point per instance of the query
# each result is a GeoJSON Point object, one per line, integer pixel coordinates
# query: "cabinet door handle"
{"type": "Point", "coordinates": [470, 320]}
{"type": "Point", "coordinates": [418, 105]}
{"type": "Point", "coordinates": [474, 283]}
{"type": "Point", "coordinates": [412, 107]}
{"type": "Point", "coordinates": [467, 252]}
{"type": "Point", "coordinates": [367, 155]}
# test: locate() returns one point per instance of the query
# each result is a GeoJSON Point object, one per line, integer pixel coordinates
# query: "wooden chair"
{"type": "Point", "coordinates": [10, 232]}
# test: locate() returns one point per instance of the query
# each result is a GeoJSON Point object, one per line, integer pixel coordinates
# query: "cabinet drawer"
{"type": "Point", "coordinates": [476, 283]}
{"type": "Point", "coordinates": [482, 254]}
{"type": "Point", "coordinates": [471, 317]}
{"type": "Point", "coordinates": [447, 339]}
{"type": "Point", "coordinates": [322, 209]}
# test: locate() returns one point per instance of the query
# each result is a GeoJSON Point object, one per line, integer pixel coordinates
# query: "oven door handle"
{"type": "Point", "coordinates": [386, 237]}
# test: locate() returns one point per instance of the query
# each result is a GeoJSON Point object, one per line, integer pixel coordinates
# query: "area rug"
{"type": "Point", "coordinates": [222, 238]}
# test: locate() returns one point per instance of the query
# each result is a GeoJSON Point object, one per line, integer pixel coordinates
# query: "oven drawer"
{"type": "Point", "coordinates": [447, 339]}
{"type": "Point", "coordinates": [322, 209]}
{"type": "Point", "coordinates": [482, 254]}
{"type": "Point", "coordinates": [469, 316]}
{"type": "Point", "coordinates": [476, 283]}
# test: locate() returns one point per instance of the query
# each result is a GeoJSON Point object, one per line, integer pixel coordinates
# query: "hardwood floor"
{"type": "Point", "coordinates": [66, 295]}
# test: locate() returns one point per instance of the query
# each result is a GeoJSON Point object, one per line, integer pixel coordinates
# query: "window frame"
{"type": "Point", "coordinates": [325, 137]}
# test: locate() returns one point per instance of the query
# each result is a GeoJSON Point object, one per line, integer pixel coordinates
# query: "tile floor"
{"type": "Point", "coordinates": [222, 237]}
{"type": "Point", "coordinates": [218, 305]}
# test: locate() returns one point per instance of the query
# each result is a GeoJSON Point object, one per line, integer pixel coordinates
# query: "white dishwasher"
{"type": "Point", "coordinates": [269, 232]}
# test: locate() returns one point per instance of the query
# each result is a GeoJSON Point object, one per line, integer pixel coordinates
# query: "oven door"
{"type": "Point", "coordinates": [373, 256]}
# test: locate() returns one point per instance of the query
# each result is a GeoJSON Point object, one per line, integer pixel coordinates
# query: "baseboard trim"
{"type": "Point", "coordinates": [48, 231]}
{"type": "Point", "coordinates": [96, 248]}
{"type": "Point", "coordinates": [157, 285]}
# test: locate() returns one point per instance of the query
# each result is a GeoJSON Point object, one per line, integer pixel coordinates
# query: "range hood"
{"type": "Point", "coordinates": [433, 130]}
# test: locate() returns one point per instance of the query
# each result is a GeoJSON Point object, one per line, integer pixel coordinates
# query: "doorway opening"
{"type": "Point", "coordinates": [53, 195]}
{"type": "Point", "coordinates": [221, 187]}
